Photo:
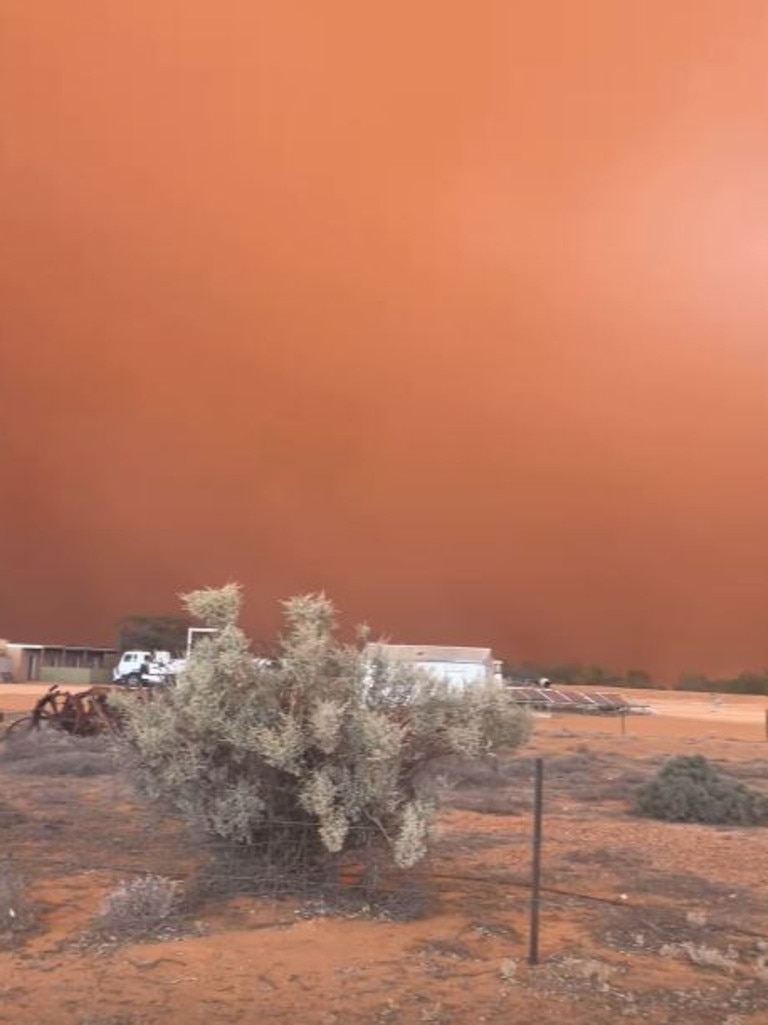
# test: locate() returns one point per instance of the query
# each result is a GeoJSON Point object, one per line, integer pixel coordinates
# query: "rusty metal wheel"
{"type": "Point", "coordinates": [19, 726]}
{"type": "Point", "coordinates": [30, 724]}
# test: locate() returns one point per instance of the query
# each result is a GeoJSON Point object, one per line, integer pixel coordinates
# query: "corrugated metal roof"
{"type": "Point", "coordinates": [60, 647]}
{"type": "Point", "coordinates": [432, 653]}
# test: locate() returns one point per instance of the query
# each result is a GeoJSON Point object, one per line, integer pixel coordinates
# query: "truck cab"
{"type": "Point", "coordinates": [144, 668]}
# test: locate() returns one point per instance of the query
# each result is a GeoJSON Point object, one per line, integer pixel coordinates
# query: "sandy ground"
{"type": "Point", "coordinates": [650, 922]}
{"type": "Point", "coordinates": [748, 710]}
{"type": "Point", "coordinates": [19, 697]}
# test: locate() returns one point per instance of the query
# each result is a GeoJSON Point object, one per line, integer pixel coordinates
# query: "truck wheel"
{"type": "Point", "coordinates": [133, 679]}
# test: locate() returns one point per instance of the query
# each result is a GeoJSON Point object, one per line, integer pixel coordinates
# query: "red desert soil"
{"type": "Point", "coordinates": [678, 931]}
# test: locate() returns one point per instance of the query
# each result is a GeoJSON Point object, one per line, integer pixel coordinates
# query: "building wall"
{"type": "Point", "coordinates": [18, 662]}
{"type": "Point", "coordinates": [58, 664]}
{"type": "Point", "coordinates": [459, 673]}
{"type": "Point", "coordinates": [64, 674]}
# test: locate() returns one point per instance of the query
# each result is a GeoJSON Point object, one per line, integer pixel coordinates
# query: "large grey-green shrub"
{"type": "Point", "coordinates": [324, 738]}
{"type": "Point", "coordinates": [689, 788]}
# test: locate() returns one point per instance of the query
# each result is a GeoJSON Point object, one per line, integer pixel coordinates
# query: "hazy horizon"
{"type": "Point", "coordinates": [457, 312]}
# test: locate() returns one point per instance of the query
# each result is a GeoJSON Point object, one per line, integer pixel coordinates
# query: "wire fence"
{"type": "Point", "coordinates": [210, 873]}
{"type": "Point", "coordinates": [216, 879]}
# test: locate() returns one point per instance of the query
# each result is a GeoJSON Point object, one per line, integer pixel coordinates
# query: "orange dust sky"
{"type": "Point", "coordinates": [457, 310]}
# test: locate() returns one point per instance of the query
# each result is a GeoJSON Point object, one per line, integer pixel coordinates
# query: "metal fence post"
{"type": "Point", "coordinates": [538, 810]}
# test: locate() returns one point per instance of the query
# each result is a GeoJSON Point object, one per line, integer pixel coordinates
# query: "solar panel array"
{"type": "Point", "coordinates": [546, 699]}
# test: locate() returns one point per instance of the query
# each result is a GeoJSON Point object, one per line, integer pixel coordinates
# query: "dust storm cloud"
{"type": "Point", "coordinates": [455, 310]}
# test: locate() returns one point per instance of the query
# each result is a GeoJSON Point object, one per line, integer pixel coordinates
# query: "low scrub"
{"type": "Point", "coordinates": [51, 753]}
{"type": "Point", "coordinates": [485, 802]}
{"type": "Point", "coordinates": [139, 907]}
{"type": "Point", "coordinates": [17, 914]}
{"type": "Point", "coordinates": [701, 955]}
{"type": "Point", "coordinates": [690, 789]}
{"type": "Point", "coordinates": [10, 816]}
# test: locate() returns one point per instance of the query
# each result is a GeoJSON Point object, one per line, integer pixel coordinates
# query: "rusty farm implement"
{"type": "Point", "coordinates": [80, 714]}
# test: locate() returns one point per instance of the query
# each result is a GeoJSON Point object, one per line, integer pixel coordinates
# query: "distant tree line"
{"type": "Point", "coordinates": [579, 674]}
{"type": "Point", "coordinates": [744, 683]}
{"type": "Point", "coordinates": [576, 674]}
{"type": "Point", "coordinates": [154, 633]}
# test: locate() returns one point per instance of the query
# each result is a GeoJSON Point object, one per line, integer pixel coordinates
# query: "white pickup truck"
{"type": "Point", "coordinates": [147, 668]}
{"type": "Point", "coordinates": [150, 668]}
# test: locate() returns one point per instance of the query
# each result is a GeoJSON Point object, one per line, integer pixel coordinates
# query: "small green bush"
{"type": "Point", "coordinates": [689, 788]}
